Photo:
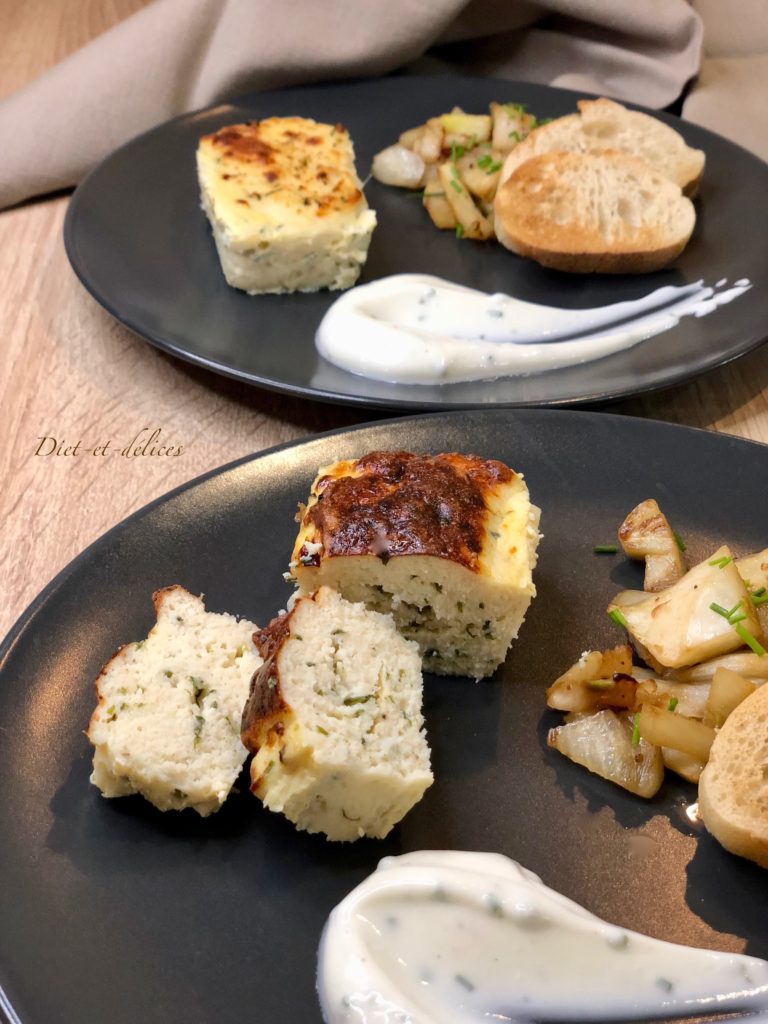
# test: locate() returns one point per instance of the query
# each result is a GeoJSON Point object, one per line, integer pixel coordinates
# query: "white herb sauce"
{"type": "Point", "coordinates": [458, 938]}
{"type": "Point", "coordinates": [417, 329]}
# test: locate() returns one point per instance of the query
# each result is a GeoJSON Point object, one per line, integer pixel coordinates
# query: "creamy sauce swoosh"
{"type": "Point", "coordinates": [418, 329]}
{"type": "Point", "coordinates": [445, 937]}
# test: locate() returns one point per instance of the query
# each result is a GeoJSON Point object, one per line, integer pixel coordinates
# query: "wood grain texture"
{"type": "Point", "coordinates": [72, 373]}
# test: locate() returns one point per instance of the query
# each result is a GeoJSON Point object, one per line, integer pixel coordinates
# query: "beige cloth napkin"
{"type": "Point", "coordinates": [178, 55]}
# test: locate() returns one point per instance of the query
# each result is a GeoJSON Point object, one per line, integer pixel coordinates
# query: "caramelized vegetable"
{"type": "Point", "coordinates": [665, 728]}
{"type": "Point", "coordinates": [727, 691]}
{"type": "Point", "coordinates": [685, 624]}
{"type": "Point", "coordinates": [603, 744]}
{"type": "Point", "coordinates": [646, 534]}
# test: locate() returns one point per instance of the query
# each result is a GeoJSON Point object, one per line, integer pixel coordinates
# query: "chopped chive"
{"type": "Point", "coordinates": [459, 230]}
{"type": "Point", "coordinates": [721, 562]}
{"type": "Point", "coordinates": [432, 195]}
{"type": "Point", "coordinates": [601, 684]}
{"type": "Point", "coordinates": [495, 166]}
{"type": "Point", "coordinates": [542, 120]}
{"type": "Point", "coordinates": [678, 540]}
{"type": "Point", "coordinates": [455, 186]}
{"type": "Point", "coordinates": [320, 729]}
{"type": "Point", "coordinates": [673, 702]}
{"type": "Point", "coordinates": [720, 610]}
{"type": "Point", "coordinates": [515, 136]}
{"type": "Point", "coordinates": [349, 701]}
{"type": "Point", "coordinates": [415, 192]}
{"type": "Point", "coordinates": [485, 161]}
{"type": "Point", "coordinates": [749, 640]}
{"type": "Point", "coordinates": [759, 593]}
{"type": "Point", "coordinates": [605, 549]}
{"type": "Point", "coordinates": [456, 152]}
{"type": "Point", "coordinates": [618, 618]}
{"type": "Point", "coordinates": [636, 729]}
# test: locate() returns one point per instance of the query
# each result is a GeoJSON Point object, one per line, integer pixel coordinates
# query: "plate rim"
{"type": "Point", "coordinates": [333, 397]}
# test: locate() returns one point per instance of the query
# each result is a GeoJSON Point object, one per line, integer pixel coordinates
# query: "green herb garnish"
{"type": "Point", "coordinates": [349, 701]}
{"type": "Point", "coordinates": [673, 702]}
{"type": "Point", "coordinates": [618, 618]}
{"type": "Point", "coordinates": [605, 549]}
{"type": "Point", "coordinates": [601, 684]}
{"type": "Point", "coordinates": [678, 540]}
{"type": "Point", "coordinates": [455, 186]}
{"type": "Point", "coordinates": [636, 729]}
{"type": "Point", "coordinates": [749, 640]}
{"type": "Point", "coordinates": [734, 617]}
{"type": "Point", "coordinates": [459, 230]}
{"type": "Point", "coordinates": [721, 562]}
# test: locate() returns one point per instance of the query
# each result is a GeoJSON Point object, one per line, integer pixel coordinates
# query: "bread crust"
{"type": "Point", "coordinates": [733, 789]}
{"type": "Point", "coordinates": [541, 214]}
{"type": "Point", "coordinates": [604, 124]}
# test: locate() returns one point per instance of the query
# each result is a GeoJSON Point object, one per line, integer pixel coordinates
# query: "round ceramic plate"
{"type": "Point", "coordinates": [138, 240]}
{"type": "Point", "coordinates": [113, 911]}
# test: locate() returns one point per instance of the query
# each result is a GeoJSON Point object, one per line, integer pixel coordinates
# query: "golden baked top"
{"type": "Point", "coordinates": [303, 168]}
{"type": "Point", "coordinates": [397, 503]}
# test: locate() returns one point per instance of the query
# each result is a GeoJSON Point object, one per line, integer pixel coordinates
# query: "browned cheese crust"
{"type": "Point", "coordinates": [397, 503]}
{"type": "Point", "coordinates": [265, 711]}
{"type": "Point", "coordinates": [282, 150]}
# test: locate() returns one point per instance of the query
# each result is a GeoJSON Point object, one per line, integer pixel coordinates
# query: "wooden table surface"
{"type": "Point", "coordinates": [70, 372]}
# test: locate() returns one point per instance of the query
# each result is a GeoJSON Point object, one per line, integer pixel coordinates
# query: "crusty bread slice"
{"type": "Point", "coordinates": [733, 789]}
{"type": "Point", "coordinates": [334, 719]}
{"type": "Point", "coordinates": [587, 212]}
{"type": "Point", "coordinates": [167, 724]}
{"type": "Point", "coordinates": [604, 124]}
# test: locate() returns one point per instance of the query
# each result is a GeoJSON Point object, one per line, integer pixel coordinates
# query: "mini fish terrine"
{"type": "Point", "coordinates": [445, 543]}
{"type": "Point", "coordinates": [285, 204]}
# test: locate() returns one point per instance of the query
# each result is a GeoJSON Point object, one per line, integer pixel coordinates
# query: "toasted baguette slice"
{"type": "Point", "coordinates": [334, 719]}
{"type": "Point", "coordinates": [603, 124]}
{"type": "Point", "coordinates": [167, 724]}
{"type": "Point", "coordinates": [733, 789]}
{"type": "Point", "coordinates": [588, 212]}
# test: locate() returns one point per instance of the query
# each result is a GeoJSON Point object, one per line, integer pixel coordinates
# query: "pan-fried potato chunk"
{"type": "Point", "coordinates": [435, 203]}
{"type": "Point", "coordinates": [664, 728]}
{"type": "Point", "coordinates": [460, 127]}
{"type": "Point", "coordinates": [511, 124]}
{"type": "Point", "coordinates": [599, 679]}
{"type": "Point", "coordinates": [472, 221]}
{"type": "Point", "coordinates": [603, 744]}
{"type": "Point", "coordinates": [679, 626]}
{"type": "Point", "coordinates": [727, 691]}
{"type": "Point", "coordinates": [646, 534]}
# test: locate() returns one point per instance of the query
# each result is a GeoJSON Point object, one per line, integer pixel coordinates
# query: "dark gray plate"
{"type": "Point", "coordinates": [112, 911]}
{"type": "Point", "coordinates": [139, 242]}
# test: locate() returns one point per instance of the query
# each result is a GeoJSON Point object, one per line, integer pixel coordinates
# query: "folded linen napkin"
{"type": "Point", "coordinates": [178, 55]}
